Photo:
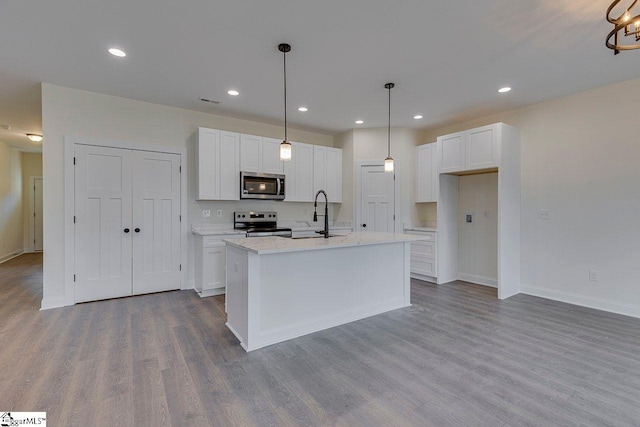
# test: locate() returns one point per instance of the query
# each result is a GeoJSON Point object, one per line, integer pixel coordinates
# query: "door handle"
{"type": "Point", "coordinates": [364, 225]}
{"type": "Point", "coordinates": [126, 230]}
{"type": "Point", "coordinates": [137, 230]}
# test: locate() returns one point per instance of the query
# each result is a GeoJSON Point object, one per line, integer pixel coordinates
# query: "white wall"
{"type": "Point", "coordinates": [10, 202]}
{"type": "Point", "coordinates": [31, 166]}
{"type": "Point", "coordinates": [580, 157]}
{"type": "Point", "coordinates": [371, 144]}
{"type": "Point", "coordinates": [478, 240]}
{"type": "Point", "coordinates": [85, 114]}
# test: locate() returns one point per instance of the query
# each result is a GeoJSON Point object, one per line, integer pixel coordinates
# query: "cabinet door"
{"type": "Point", "coordinates": [208, 164]}
{"type": "Point", "coordinates": [452, 152]}
{"type": "Point", "coordinates": [427, 173]}
{"type": "Point", "coordinates": [229, 169]}
{"type": "Point", "coordinates": [482, 148]}
{"type": "Point", "coordinates": [304, 173]}
{"type": "Point", "coordinates": [213, 267]}
{"type": "Point", "coordinates": [299, 173]}
{"type": "Point", "coordinates": [333, 177]}
{"type": "Point", "coordinates": [250, 153]}
{"type": "Point", "coordinates": [319, 168]}
{"type": "Point", "coordinates": [271, 162]}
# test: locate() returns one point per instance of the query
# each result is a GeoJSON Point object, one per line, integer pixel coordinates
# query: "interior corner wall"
{"type": "Point", "coordinates": [579, 158]}
{"type": "Point", "coordinates": [31, 164]}
{"type": "Point", "coordinates": [10, 202]}
{"type": "Point", "coordinates": [478, 239]}
{"type": "Point", "coordinates": [80, 113]}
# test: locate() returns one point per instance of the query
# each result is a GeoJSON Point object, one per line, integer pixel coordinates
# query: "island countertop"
{"type": "Point", "coordinates": [276, 244]}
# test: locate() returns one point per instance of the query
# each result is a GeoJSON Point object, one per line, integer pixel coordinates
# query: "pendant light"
{"type": "Point", "coordinates": [285, 146]}
{"type": "Point", "coordinates": [388, 162]}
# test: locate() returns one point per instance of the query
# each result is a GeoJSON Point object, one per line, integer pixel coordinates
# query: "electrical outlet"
{"type": "Point", "coordinates": [593, 275]}
{"type": "Point", "coordinates": [544, 214]}
{"type": "Point", "coordinates": [219, 213]}
{"type": "Point", "coordinates": [206, 213]}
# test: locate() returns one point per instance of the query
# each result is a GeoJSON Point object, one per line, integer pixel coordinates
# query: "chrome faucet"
{"type": "Point", "coordinates": [326, 213]}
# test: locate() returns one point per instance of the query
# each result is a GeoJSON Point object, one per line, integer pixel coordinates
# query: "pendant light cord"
{"type": "Point", "coordinates": [389, 127]}
{"type": "Point", "coordinates": [285, 96]}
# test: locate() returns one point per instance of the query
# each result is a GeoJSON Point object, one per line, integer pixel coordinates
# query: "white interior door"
{"type": "Point", "coordinates": [156, 222]}
{"type": "Point", "coordinates": [377, 199]}
{"type": "Point", "coordinates": [37, 214]}
{"type": "Point", "coordinates": [103, 222]}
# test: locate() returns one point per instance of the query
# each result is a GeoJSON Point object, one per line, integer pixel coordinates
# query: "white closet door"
{"type": "Point", "coordinates": [156, 222]}
{"type": "Point", "coordinates": [103, 214]}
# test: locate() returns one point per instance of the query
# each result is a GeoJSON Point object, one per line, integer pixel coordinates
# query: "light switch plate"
{"type": "Point", "coordinates": [206, 213]}
{"type": "Point", "coordinates": [544, 214]}
{"type": "Point", "coordinates": [219, 213]}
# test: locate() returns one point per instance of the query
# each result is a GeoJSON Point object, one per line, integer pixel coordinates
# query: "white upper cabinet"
{"type": "Point", "coordinates": [452, 149]}
{"type": "Point", "coordinates": [250, 153]}
{"type": "Point", "coordinates": [260, 155]}
{"type": "Point", "coordinates": [271, 162]}
{"type": "Point", "coordinates": [482, 147]}
{"type": "Point", "coordinates": [470, 150]}
{"type": "Point", "coordinates": [299, 173]}
{"type": "Point", "coordinates": [217, 161]}
{"type": "Point", "coordinates": [327, 172]}
{"type": "Point", "coordinates": [427, 173]}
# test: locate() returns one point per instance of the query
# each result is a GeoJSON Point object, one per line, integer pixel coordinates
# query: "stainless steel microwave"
{"type": "Point", "coordinates": [264, 186]}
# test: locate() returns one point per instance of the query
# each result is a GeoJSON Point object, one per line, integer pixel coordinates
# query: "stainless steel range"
{"type": "Point", "coordinates": [259, 224]}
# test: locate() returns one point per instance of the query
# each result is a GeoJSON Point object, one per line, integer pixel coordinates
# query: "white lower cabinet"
{"type": "Point", "coordinates": [424, 262]}
{"type": "Point", "coordinates": [210, 274]}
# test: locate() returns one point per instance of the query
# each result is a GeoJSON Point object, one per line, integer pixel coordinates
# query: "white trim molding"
{"type": "Point", "coordinates": [11, 255]}
{"type": "Point", "coordinates": [69, 203]}
{"type": "Point", "coordinates": [583, 301]}
{"type": "Point", "coordinates": [478, 280]}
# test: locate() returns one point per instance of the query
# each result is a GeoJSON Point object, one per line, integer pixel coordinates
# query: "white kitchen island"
{"type": "Point", "coordinates": [280, 288]}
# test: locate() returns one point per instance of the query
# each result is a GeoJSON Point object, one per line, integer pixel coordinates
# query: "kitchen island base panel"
{"type": "Point", "coordinates": [276, 297]}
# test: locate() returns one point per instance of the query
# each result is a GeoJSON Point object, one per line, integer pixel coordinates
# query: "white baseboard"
{"type": "Point", "coordinates": [597, 303]}
{"type": "Point", "coordinates": [211, 292]}
{"type": "Point", "coordinates": [12, 255]}
{"type": "Point", "coordinates": [52, 303]}
{"type": "Point", "coordinates": [424, 278]}
{"type": "Point", "coordinates": [478, 280]}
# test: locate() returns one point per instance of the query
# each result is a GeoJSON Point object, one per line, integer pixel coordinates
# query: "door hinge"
{"type": "Point", "coordinates": [180, 169]}
{"type": "Point", "coordinates": [74, 160]}
{"type": "Point", "coordinates": [394, 217]}
{"type": "Point", "coordinates": [180, 267]}
{"type": "Point", "coordinates": [34, 241]}
{"type": "Point", "coordinates": [34, 214]}
{"type": "Point", "coordinates": [74, 277]}
{"type": "Point", "coordinates": [180, 218]}
{"type": "Point", "coordinates": [74, 219]}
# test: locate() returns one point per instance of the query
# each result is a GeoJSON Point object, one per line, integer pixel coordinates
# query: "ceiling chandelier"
{"type": "Point", "coordinates": [626, 23]}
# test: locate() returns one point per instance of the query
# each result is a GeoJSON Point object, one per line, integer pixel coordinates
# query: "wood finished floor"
{"type": "Point", "coordinates": [457, 357]}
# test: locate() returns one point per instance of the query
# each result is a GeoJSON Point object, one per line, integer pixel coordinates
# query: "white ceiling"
{"type": "Point", "coordinates": [447, 58]}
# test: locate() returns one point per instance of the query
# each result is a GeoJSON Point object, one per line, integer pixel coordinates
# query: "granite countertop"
{"type": "Point", "coordinates": [215, 229]}
{"type": "Point", "coordinates": [275, 244]}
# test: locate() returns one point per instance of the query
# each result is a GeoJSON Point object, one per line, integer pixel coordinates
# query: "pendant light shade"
{"type": "Point", "coordinates": [285, 146]}
{"type": "Point", "coordinates": [388, 162]}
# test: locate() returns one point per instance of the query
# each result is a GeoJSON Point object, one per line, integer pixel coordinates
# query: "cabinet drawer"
{"type": "Point", "coordinates": [208, 241]}
{"type": "Point", "coordinates": [426, 267]}
{"type": "Point", "coordinates": [423, 248]}
{"type": "Point", "coordinates": [425, 235]}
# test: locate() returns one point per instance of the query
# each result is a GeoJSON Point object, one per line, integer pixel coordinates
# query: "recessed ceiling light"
{"type": "Point", "coordinates": [303, 109]}
{"type": "Point", "coordinates": [359, 122]}
{"type": "Point", "coordinates": [117, 52]}
{"type": "Point", "coordinates": [504, 89]}
{"type": "Point", "coordinates": [34, 137]}
{"type": "Point", "coordinates": [233, 92]}
{"type": "Point", "coordinates": [418, 117]}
